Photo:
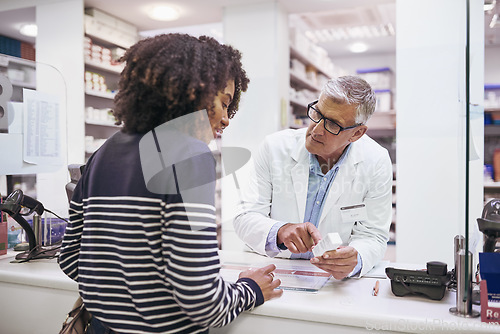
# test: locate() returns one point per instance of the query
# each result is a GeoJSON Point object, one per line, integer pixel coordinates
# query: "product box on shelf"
{"type": "Point", "coordinates": [111, 21]}
{"type": "Point", "coordinates": [100, 30]}
{"type": "Point", "coordinates": [379, 78]}
{"type": "Point", "coordinates": [298, 68]}
{"type": "Point", "coordinates": [492, 95]}
{"type": "Point", "coordinates": [384, 100]}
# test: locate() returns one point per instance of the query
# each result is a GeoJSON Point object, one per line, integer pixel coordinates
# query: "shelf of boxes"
{"type": "Point", "coordinates": [491, 140]}
{"type": "Point", "coordinates": [105, 41]}
{"type": "Point", "coordinates": [492, 105]}
{"type": "Point", "coordinates": [310, 69]}
{"type": "Point", "coordinates": [381, 81]}
{"type": "Point", "coordinates": [99, 93]}
{"type": "Point", "coordinates": [107, 29]}
{"type": "Point", "coordinates": [114, 68]}
{"type": "Point", "coordinates": [102, 117]}
{"type": "Point", "coordinates": [20, 72]}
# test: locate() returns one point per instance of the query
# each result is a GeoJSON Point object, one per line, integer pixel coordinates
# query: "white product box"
{"type": "Point", "coordinates": [384, 101]}
{"type": "Point", "coordinates": [330, 242]}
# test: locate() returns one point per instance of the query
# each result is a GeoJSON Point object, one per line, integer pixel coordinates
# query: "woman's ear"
{"type": "Point", "coordinates": [360, 131]}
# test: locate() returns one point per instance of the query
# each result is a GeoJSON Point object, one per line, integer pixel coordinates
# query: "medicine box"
{"type": "Point", "coordinates": [330, 242]}
{"type": "Point", "coordinates": [378, 78]}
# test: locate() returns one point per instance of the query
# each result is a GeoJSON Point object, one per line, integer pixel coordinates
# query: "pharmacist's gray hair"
{"type": "Point", "coordinates": [352, 90]}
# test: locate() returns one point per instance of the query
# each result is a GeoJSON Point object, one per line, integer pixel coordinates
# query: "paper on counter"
{"type": "Point", "coordinates": [293, 275]}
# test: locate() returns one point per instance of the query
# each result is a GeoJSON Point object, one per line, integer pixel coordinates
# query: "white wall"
{"type": "Point", "coordinates": [260, 32]}
{"type": "Point", "coordinates": [60, 44]}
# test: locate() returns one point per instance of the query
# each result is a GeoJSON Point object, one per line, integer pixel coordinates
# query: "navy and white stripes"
{"type": "Point", "coordinates": [147, 263]}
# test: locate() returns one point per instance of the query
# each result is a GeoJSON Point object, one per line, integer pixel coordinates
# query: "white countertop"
{"type": "Point", "coordinates": [342, 303]}
{"type": "Point", "coordinates": [350, 303]}
{"type": "Point", "coordinates": [40, 273]}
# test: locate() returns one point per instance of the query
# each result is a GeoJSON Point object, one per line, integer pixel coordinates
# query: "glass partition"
{"type": "Point", "coordinates": [33, 144]}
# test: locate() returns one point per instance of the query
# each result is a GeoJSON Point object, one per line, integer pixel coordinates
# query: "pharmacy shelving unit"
{"type": "Point", "coordinates": [382, 124]}
{"type": "Point", "coordinates": [98, 124]}
{"type": "Point", "coordinates": [106, 38]}
{"type": "Point", "coordinates": [491, 135]}
{"type": "Point", "coordinates": [21, 74]}
{"type": "Point", "coordinates": [306, 79]}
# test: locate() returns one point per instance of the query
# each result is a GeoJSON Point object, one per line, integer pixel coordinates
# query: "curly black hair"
{"type": "Point", "coordinates": [171, 75]}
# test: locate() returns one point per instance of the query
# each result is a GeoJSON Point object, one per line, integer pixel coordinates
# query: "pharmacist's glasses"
{"type": "Point", "coordinates": [330, 126]}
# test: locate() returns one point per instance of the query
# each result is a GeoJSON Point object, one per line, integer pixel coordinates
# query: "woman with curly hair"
{"type": "Point", "coordinates": [145, 258]}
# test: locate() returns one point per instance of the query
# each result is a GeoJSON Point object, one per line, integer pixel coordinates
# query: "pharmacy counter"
{"type": "Point", "coordinates": [37, 295]}
{"type": "Point", "coordinates": [348, 306]}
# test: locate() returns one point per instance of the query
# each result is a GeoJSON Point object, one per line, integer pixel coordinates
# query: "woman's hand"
{"type": "Point", "coordinates": [264, 277]}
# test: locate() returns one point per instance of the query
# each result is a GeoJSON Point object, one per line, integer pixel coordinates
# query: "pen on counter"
{"type": "Point", "coordinates": [376, 288]}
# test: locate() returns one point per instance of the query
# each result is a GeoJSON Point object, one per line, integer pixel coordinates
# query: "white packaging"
{"type": "Point", "coordinates": [384, 101]}
{"type": "Point", "coordinates": [330, 242]}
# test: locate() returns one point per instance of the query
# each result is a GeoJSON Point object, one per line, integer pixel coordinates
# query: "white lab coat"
{"type": "Point", "coordinates": [277, 191]}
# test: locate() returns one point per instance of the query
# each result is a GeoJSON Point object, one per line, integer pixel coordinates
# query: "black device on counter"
{"type": "Point", "coordinates": [489, 224]}
{"type": "Point", "coordinates": [431, 283]}
{"type": "Point", "coordinates": [18, 205]}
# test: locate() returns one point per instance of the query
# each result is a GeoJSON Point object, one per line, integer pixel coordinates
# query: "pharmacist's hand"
{"type": "Point", "coordinates": [339, 262]}
{"type": "Point", "coordinates": [298, 238]}
{"type": "Point", "coordinates": [264, 277]}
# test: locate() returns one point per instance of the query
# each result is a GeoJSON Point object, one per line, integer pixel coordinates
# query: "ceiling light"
{"type": "Point", "coordinates": [30, 30]}
{"type": "Point", "coordinates": [163, 13]}
{"type": "Point", "coordinates": [489, 5]}
{"type": "Point", "coordinates": [358, 47]}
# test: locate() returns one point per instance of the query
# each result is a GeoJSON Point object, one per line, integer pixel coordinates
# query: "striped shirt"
{"type": "Point", "coordinates": [145, 262]}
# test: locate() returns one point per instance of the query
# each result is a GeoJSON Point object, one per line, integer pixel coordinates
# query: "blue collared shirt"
{"type": "Point", "coordinates": [318, 186]}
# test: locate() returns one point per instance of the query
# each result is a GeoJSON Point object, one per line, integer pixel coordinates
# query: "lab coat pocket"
{"type": "Point", "coordinates": [353, 213]}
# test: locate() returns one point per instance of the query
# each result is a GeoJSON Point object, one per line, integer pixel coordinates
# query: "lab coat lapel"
{"type": "Point", "coordinates": [300, 178]}
{"type": "Point", "coordinates": [342, 184]}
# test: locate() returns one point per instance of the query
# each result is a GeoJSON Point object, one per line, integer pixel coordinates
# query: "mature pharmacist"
{"type": "Point", "coordinates": [328, 177]}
